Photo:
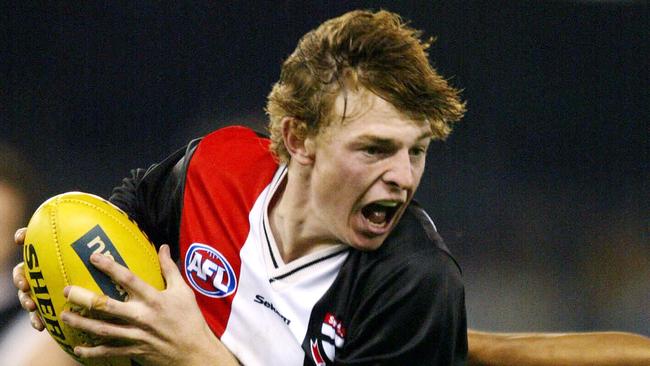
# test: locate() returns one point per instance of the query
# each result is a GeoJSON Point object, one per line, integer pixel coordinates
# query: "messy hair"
{"type": "Point", "coordinates": [374, 50]}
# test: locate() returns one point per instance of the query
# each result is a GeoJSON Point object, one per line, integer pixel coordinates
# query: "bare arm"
{"type": "Point", "coordinates": [46, 351]}
{"type": "Point", "coordinates": [558, 349]}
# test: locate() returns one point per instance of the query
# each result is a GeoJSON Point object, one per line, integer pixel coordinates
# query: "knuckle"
{"type": "Point", "coordinates": [137, 351]}
{"type": "Point", "coordinates": [108, 306]}
{"type": "Point", "coordinates": [156, 304]}
{"type": "Point", "coordinates": [140, 318]}
{"type": "Point", "coordinates": [82, 352]}
{"type": "Point", "coordinates": [18, 267]}
{"type": "Point", "coordinates": [18, 273]}
{"type": "Point", "coordinates": [128, 277]}
{"type": "Point", "coordinates": [184, 290]}
{"type": "Point", "coordinates": [36, 322]}
{"type": "Point", "coordinates": [19, 236]}
{"type": "Point", "coordinates": [25, 300]}
{"type": "Point", "coordinates": [103, 330]}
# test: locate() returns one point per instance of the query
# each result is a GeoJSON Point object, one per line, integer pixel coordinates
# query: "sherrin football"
{"type": "Point", "coordinates": [61, 235]}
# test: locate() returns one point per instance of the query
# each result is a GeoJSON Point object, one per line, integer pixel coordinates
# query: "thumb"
{"type": "Point", "coordinates": [170, 271]}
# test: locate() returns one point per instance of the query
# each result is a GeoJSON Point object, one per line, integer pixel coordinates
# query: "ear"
{"type": "Point", "coordinates": [300, 147]}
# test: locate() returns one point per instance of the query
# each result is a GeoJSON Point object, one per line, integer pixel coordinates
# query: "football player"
{"type": "Point", "coordinates": [304, 248]}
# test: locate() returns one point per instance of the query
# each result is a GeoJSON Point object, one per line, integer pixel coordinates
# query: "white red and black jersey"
{"type": "Point", "coordinates": [402, 304]}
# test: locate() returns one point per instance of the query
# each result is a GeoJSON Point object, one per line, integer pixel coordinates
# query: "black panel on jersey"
{"type": "Point", "coordinates": [403, 304]}
{"type": "Point", "coordinates": [154, 198]}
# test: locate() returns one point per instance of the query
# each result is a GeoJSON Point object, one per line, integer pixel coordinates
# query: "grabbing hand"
{"type": "Point", "coordinates": [21, 283]}
{"type": "Point", "coordinates": [153, 327]}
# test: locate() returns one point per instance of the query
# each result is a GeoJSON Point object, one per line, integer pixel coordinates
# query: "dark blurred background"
{"type": "Point", "coordinates": [542, 192]}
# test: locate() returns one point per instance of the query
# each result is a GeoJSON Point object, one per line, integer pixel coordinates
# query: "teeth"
{"type": "Point", "coordinates": [387, 203]}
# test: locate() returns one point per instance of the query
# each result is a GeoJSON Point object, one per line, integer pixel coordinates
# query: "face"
{"type": "Point", "coordinates": [366, 169]}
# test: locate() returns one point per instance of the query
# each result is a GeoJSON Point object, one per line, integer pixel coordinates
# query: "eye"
{"type": "Point", "coordinates": [376, 150]}
{"type": "Point", "coordinates": [372, 150]}
{"type": "Point", "coordinates": [418, 151]}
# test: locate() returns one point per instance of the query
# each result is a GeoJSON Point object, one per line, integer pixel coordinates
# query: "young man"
{"type": "Point", "coordinates": [305, 249]}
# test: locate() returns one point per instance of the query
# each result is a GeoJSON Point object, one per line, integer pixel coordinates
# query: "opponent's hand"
{"type": "Point", "coordinates": [22, 285]}
{"type": "Point", "coordinates": [153, 327]}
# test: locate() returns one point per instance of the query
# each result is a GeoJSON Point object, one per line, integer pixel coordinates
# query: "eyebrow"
{"type": "Point", "coordinates": [389, 141]}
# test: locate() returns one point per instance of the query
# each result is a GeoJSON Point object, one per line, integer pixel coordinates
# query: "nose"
{"type": "Point", "coordinates": [400, 172]}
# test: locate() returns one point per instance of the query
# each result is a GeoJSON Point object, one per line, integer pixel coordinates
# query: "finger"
{"type": "Point", "coordinates": [100, 328]}
{"type": "Point", "coordinates": [98, 302]}
{"type": "Point", "coordinates": [123, 276]}
{"type": "Point", "coordinates": [20, 281]}
{"type": "Point", "coordinates": [26, 301]}
{"type": "Point", "coordinates": [169, 269]}
{"type": "Point", "coordinates": [86, 298]}
{"type": "Point", "coordinates": [36, 321]}
{"type": "Point", "coordinates": [101, 303]}
{"type": "Point", "coordinates": [19, 235]}
{"type": "Point", "coordinates": [105, 351]}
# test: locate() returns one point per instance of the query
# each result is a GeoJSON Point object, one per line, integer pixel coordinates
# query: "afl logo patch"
{"type": "Point", "coordinates": [209, 272]}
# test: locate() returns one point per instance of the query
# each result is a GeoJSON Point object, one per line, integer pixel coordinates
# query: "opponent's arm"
{"type": "Point", "coordinates": [558, 349]}
{"type": "Point", "coordinates": [44, 350]}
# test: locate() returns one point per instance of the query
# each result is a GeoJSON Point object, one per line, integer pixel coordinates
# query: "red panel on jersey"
{"type": "Point", "coordinates": [226, 174]}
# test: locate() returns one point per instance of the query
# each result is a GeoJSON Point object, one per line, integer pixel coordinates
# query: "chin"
{"type": "Point", "coordinates": [367, 244]}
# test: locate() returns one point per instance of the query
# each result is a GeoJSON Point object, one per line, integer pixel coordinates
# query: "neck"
{"type": "Point", "coordinates": [293, 218]}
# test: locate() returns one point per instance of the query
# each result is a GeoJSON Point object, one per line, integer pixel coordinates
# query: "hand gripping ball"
{"type": "Point", "coordinates": [61, 235]}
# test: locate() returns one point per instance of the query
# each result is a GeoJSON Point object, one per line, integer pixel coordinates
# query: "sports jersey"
{"type": "Point", "coordinates": [402, 304]}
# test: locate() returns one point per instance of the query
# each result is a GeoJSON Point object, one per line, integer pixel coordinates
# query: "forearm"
{"type": "Point", "coordinates": [220, 352]}
{"type": "Point", "coordinates": [558, 349]}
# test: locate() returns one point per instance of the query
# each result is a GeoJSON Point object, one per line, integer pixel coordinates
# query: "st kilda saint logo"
{"type": "Point", "coordinates": [332, 337]}
{"type": "Point", "coordinates": [209, 272]}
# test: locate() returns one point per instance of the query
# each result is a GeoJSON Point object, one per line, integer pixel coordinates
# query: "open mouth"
{"type": "Point", "coordinates": [380, 213]}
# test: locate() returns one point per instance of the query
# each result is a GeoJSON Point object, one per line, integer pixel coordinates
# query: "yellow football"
{"type": "Point", "coordinates": [61, 235]}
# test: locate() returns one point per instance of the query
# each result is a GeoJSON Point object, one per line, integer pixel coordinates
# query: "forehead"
{"type": "Point", "coordinates": [361, 112]}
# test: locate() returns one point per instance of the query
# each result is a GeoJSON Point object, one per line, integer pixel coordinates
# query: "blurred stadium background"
{"type": "Point", "coordinates": [542, 192]}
